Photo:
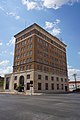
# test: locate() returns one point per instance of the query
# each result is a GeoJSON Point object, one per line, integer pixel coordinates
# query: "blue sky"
{"type": "Point", "coordinates": [60, 17]}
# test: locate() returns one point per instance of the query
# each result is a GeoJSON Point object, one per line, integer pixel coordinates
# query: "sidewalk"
{"type": "Point", "coordinates": [20, 93]}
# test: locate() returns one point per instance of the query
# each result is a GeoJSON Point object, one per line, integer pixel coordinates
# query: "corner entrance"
{"type": "Point", "coordinates": [21, 84]}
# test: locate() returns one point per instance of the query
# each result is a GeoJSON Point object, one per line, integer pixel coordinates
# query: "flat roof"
{"type": "Point", "coordinates": [31, 26]}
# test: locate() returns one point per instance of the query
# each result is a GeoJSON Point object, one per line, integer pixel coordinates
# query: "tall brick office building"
{"type": "Point", "coordinates": [40, 60]}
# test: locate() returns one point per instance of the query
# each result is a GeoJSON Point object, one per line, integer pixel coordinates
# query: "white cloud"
{"type": "Point", "coordinates": [56, 31]}
{"type": "Point", "coordinates": [48, 25]}
{"type": "Point", "coordinates": [57, 21]}
{"type": "Point", "coordinates": [4, 52]}
{"type": "Point", "coordinates": [79, 53]}
{"type": "Point", "coordinates": [12, 53]}
{"type": "Point", "coordinates": [1, 8]}
{"type": "Point", "coordinates": [31, 4]}
{"type": "Point", "coordinates": [72, 71]}
{"type": "Point", "coordinates": [53, 27]}
{"type": "Point", "coordinates": [54, 4]}
{"type": "Point", "coordinates": [1, 43]}
{"type": "Point", "coordinates": [5, 67]}
{"type": "Point", "coordinates": [13, 14]}
{"type": "Point", "coordinates": [11, 42]}
{"type": "Point", "coordinates": [4, 63]}
{"type": "Point", "coordinates": [17, 17]}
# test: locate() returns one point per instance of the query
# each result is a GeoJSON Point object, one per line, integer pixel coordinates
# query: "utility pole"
{"type": "Point", "coordinates": [75, 80]}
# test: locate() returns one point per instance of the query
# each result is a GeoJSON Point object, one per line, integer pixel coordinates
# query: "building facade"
{"type": "Point", "coordinates": [39, 62]}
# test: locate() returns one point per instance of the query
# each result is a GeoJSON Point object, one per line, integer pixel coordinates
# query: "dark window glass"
{"type": "Point", "coordinates": [46, 77]}
{"type": "Point", "coordinates": [62, 87]}
{"type": "Point", "coordinates": [61, 79]}
{"type": "Point", "coordinates": [15, 86]}
{"type": "Point", "coordinates": [57, 79]}
{"type": "Point", "coordinates": [46, 86]}
{"type": "Point", "coordinates": [15, 77]}
{"type": "Point", "coordinates": [27, 67]}
{"type": "Point", "coordinates": [65, 80]}
{"type": "Point", "coordinates": [52, 78]}
{"type": "Point", "coordinates": [7, 83]}
{"type": "Point", "coordinates": [39, 86]}
{"type": "Point", "coordinates": [57, 86]}
{"type": "Point", "coordinates": [28, 86]}
{"type": "Point", "coordinates": [28, 76]}
{"type": "Point", "coordinates": [52, 86]}
{"type": "Point", "coordinates": [39, 77]}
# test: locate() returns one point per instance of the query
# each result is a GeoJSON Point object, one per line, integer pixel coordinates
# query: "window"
{"type": "Point", "coordinates": [27, 60]}
{"type": "Point", "coordinates": [30, 59]}
{"type": "Point", "coordinates": [23, 42]}
{"type": "Point", "coordinates": [39, 86]}
{"type": "Point", "coordinates": [28, 76]}
{"type": "Point", "coordinates": [27, 67]}
{"type": "Point", "coordinates": [39, 40]}
{"type": "Point", "coordinates": [65, 80]}
{"type": "Point", "coordinates": [57, 86]}
{"type": "Point", "coordinates": [62, 87]}
{"type": "Point", "coordinates": [29, 33]}
{"type": "Point", "coordinates": [15, 77]}
{"type": "Point", "coordinates": [39, 77]}
{"type": "Point", "coordinates": [30, 39]}
{"type": "Point", "coordinates": [24, 36]}
{"type": "Point", "coordinates": [29, 46]}
{"type": "Point", "coordinates": [30, 52]}
{"type": "Point", "coordinates": [57, 79]}
{"type": "Point", "coordinates": [61, 79]}
{"type": "Point", "coordinates": [46, 77]}
{"type": "Point", "coordinates": [7, 82]}
{"type": "Point", "coordinates": [30, 66]}
{"type": "Point", "coordinates": [28, 86]}
{"type": "Point", "coordinates": [21, 68]}
{"type": "Point", "coordinates": [39, 67]}
{"type": "Point", "coordinates": [45, 49]}
{"type": "Point", "coordinates": [52, 86]}
{"type": "Point", "coordinates": [15, 86]}
{"type": "Point", "coordinates": [52, 78]}
{"type": "Point", "coordinates": [39, 59]}
{"type": "Point", "coordinates": [17, 39]}
{"type": "Point", "coordinates": [46, 86]}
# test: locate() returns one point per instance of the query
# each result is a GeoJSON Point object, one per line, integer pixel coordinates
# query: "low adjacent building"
{"type": "Point", "coordinates": [73, 85]}
{"type": "Point", "coordinates": [1, 83]}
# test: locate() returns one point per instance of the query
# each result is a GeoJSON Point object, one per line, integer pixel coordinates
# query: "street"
{"type": "Point", "coordinates": [40, 107]}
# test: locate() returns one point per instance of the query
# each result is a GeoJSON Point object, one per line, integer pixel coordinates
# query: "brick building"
{"type": "Point", "coordinates": [40, 60]}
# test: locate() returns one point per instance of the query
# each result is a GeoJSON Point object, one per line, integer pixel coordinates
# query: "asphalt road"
{"type": "Point", "coordinates": [45, 107]}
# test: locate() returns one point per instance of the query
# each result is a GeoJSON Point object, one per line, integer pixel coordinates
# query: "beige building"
{"type": "Point", "coordinates": [73, 85]}
{"type": "Point", "coordinates": [39, 62]}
